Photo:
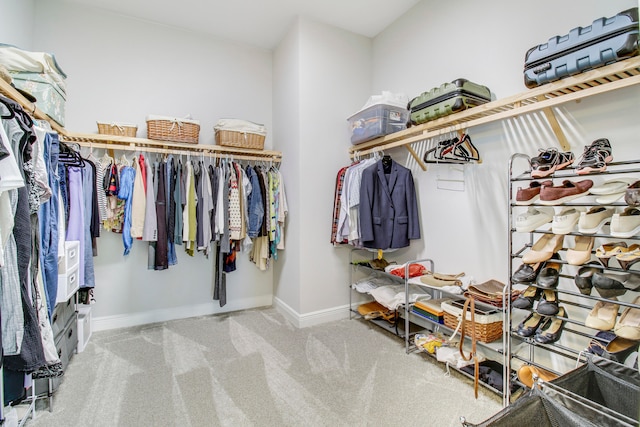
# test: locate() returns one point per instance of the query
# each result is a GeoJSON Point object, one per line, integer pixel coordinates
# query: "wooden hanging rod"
{"type": "Point", "coordinates": [114, 142]}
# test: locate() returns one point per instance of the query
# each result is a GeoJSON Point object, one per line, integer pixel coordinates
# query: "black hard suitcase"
{"type": "Point", "coordinates": [605, 41]}
{"type": "Point", "coordinates": [446, 99]}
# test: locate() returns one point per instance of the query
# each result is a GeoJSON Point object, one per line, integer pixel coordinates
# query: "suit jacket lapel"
{"type": "Point", "coordinates": [387, 186]}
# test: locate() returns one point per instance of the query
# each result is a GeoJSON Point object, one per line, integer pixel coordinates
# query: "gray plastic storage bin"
{"type": "Point", "coordinates": [376, 121]}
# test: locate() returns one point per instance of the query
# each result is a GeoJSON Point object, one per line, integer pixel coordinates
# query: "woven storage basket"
{"type": "Point", "coordinates": [173, 129]}
{"type": "Point", "coordinates": [231, 138]}
{"type": "Point", "coordinates": [240, 133]}
{"type": "Point", "coordinates": [487, 328]}
{"type": "Point", "coordinates": [120, 129]}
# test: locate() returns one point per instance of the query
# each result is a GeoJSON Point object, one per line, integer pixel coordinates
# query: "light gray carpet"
{"type": "Point", "coordinates": [253, 368]}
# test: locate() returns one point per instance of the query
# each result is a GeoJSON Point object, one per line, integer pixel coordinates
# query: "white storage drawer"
{"type": "Point", "coordinates": [71, 257]}
{"type": "Point", "coordinates": [68, 284]}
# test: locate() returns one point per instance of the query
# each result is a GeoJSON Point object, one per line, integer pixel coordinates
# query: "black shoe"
{"type": "Point", "coordinates": [529, 325]}
{"type": "Point", "coordinates": [527, 273]}
{"type": "Point", "coordinates": [551, 328]}
{"type": "Point", "coordinates": [548, 277]}
{"type": "Point", "coordinates": [525, 300]}
{"type": "Point", "coordinates": [608, 284]}
{"type": "Point", "coordinates": [548, 305]}
{"type": "Point", "coordinates": [584, 277]}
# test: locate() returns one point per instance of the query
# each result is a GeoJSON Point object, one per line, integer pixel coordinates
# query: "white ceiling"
{"type": "Point", "coordinates": [260, 23]}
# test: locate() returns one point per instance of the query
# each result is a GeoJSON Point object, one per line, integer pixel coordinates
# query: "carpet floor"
{"type": "Point", "coordinates": [253, 368]}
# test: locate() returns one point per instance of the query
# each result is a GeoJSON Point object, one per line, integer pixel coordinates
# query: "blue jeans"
{"type": "Point", "coordinates": [48, 224]}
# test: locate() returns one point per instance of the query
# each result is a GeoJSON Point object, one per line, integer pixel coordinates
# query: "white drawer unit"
{"type": "Point", "coordinates": [68, 284]}
{"type": "Point", "coordinates": [84, 326]}
{"type": "Point", "coordinates": [70, 258]}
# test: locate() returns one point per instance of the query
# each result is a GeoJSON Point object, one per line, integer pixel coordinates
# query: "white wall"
{"type": "Point", "coordinates": [122, 69]}
{"type": "Point", "coordinates": [435, 42]}
{"type": "Point", "coordinates": [466, 230]}
{"type": "Point", "coordinates": [16, 23]}
{"type": "Point", "coordinates": [329, 70]}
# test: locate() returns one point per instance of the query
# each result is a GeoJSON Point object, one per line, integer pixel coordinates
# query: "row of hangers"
{"type": "Point", "coordinates": [453, 147]}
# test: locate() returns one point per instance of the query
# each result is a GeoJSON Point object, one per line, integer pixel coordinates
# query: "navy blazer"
{"type": "Point", "coordinates": [388, 207]}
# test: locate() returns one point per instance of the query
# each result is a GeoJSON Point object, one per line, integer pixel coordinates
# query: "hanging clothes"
{"type": "Point", "coordinates": [388, 206]}
{"type": "Point", "coordinates": [161, 257]}
{"type": "Point", "coordinates": [125, 192]}
{"type": "Point", "coordinates": [138, 201]}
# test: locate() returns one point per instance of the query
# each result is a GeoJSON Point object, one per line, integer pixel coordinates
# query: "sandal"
{"type": "Point", "coordinates": [629, 256]}
{"type": "Point", "coordinates": [608, 250]}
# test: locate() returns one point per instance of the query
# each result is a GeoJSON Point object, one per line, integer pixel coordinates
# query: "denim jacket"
{"type": "Point", "coordinates": [256, 208]}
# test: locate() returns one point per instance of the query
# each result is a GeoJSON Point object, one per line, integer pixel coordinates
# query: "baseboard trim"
{"type": "Point", "coordinates": [134, 319]}
{"type": "Point", "coordinates": [313, 318]}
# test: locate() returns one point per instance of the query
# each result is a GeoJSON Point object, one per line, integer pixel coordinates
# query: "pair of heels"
{"type": "Point", "coordinates": [547, 301]}
{"type": "Point", "coordinates": [544, 329]}
{"type": "Point", "coordinates": [627, 256]}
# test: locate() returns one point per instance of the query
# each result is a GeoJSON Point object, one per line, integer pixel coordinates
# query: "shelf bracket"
{"type": "Point", "coordinates": [555, 126]}
{"type": "Point", "coordinates": [416, 157]}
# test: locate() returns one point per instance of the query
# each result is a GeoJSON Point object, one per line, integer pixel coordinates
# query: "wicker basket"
{"type": "Point", "coordinates": [486, 329]}
{"type": "Point", "coordinates": [231, 138]}
{"type": "Point", "coordinates": [119, 129]}
{"type": "Point", "coordinates": [173, 129]}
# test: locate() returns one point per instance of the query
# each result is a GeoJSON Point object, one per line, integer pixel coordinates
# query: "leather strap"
{"type": "Point", "coordinates": [471, 304]}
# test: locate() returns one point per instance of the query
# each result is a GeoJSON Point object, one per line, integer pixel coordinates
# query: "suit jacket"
{"type": "Point", "coordinates": [388, 207]}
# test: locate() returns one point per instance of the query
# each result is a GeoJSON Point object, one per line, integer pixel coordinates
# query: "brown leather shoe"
{"type": "Point", "coordinates": [569, 190]}
{"type": "Point", "coordinates": [526, 196]}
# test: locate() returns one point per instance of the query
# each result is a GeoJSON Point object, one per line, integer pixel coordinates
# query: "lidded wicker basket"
{"type": "Point", "coordinates": [240, 133]}
{"type": "Point", "coordinates": [174, 129]}
{"type": "Point", "coordinates": [119, 129]}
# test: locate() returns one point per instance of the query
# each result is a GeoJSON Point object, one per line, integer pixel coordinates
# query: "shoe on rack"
{"type": "Point", "coordinates": [594, 219]}
{"type": "Point", "coordinates": [530, 325]}
{"type": "Point", "coordinates": [548, 304]}
{"type": "Point", "coordinates": [629, 256]}
{"type": "Point", "coordinates": [632, 194]}
{"type": "Point", "coordinates": [626, 224]}
{"type": "Point", "coordinates": [609, 284]}
{"type": "Point", "coordinates": [549, 275]}
{"type": "Point", "coordinates": [566, 220]}
{"type": "Point", "coordinates": [551, 328]}
{"type": "Point", "coordinates": [584, 276]}
{"type": "Point", "coordinates": [526, 196]}
{"type": "Point", "coordinates": [526, 375]}
{"type": "Point", "coordinates": [550, 160]}
{"type": "Point", "coordinates": [544, 248]}
{"type": "Point", "coordinates": [534, 217]}
{"type": "Point", "coordinates": [595, 157]}
{"type": "Point", "coordinates": [525, 300]}
{"type": "Point", "coordinates": [603, 315]}
{"type": "Point", "coordinates": [628, 325]}
{"type": "Point", "coordinates": [609, 250]}
{"type": "Point", "coordinates": [581, 251]}
{"type": "Point", "coordinates": [612, 186]}
{"type": "Point", "coordinates": [527, 273]}
{"type": "Point", "coordinates": [569, 190]}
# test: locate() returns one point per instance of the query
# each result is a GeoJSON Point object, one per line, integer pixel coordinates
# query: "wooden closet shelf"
{"type": "Point", "coordinates": [611, 77]}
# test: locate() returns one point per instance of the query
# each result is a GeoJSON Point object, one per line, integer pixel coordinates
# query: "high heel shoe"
{"type": "Point", "coordinates": [551, 329]}
{"type": "Point", "coordinates": [629, 256]}
{"type": "Point", "coordinates": [609, 250]}
{"type": "Point", "coordinates": [544, 248]}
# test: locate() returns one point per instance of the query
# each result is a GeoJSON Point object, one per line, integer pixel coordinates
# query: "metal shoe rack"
{"type": "Point", "coordinates": [575, 336]}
